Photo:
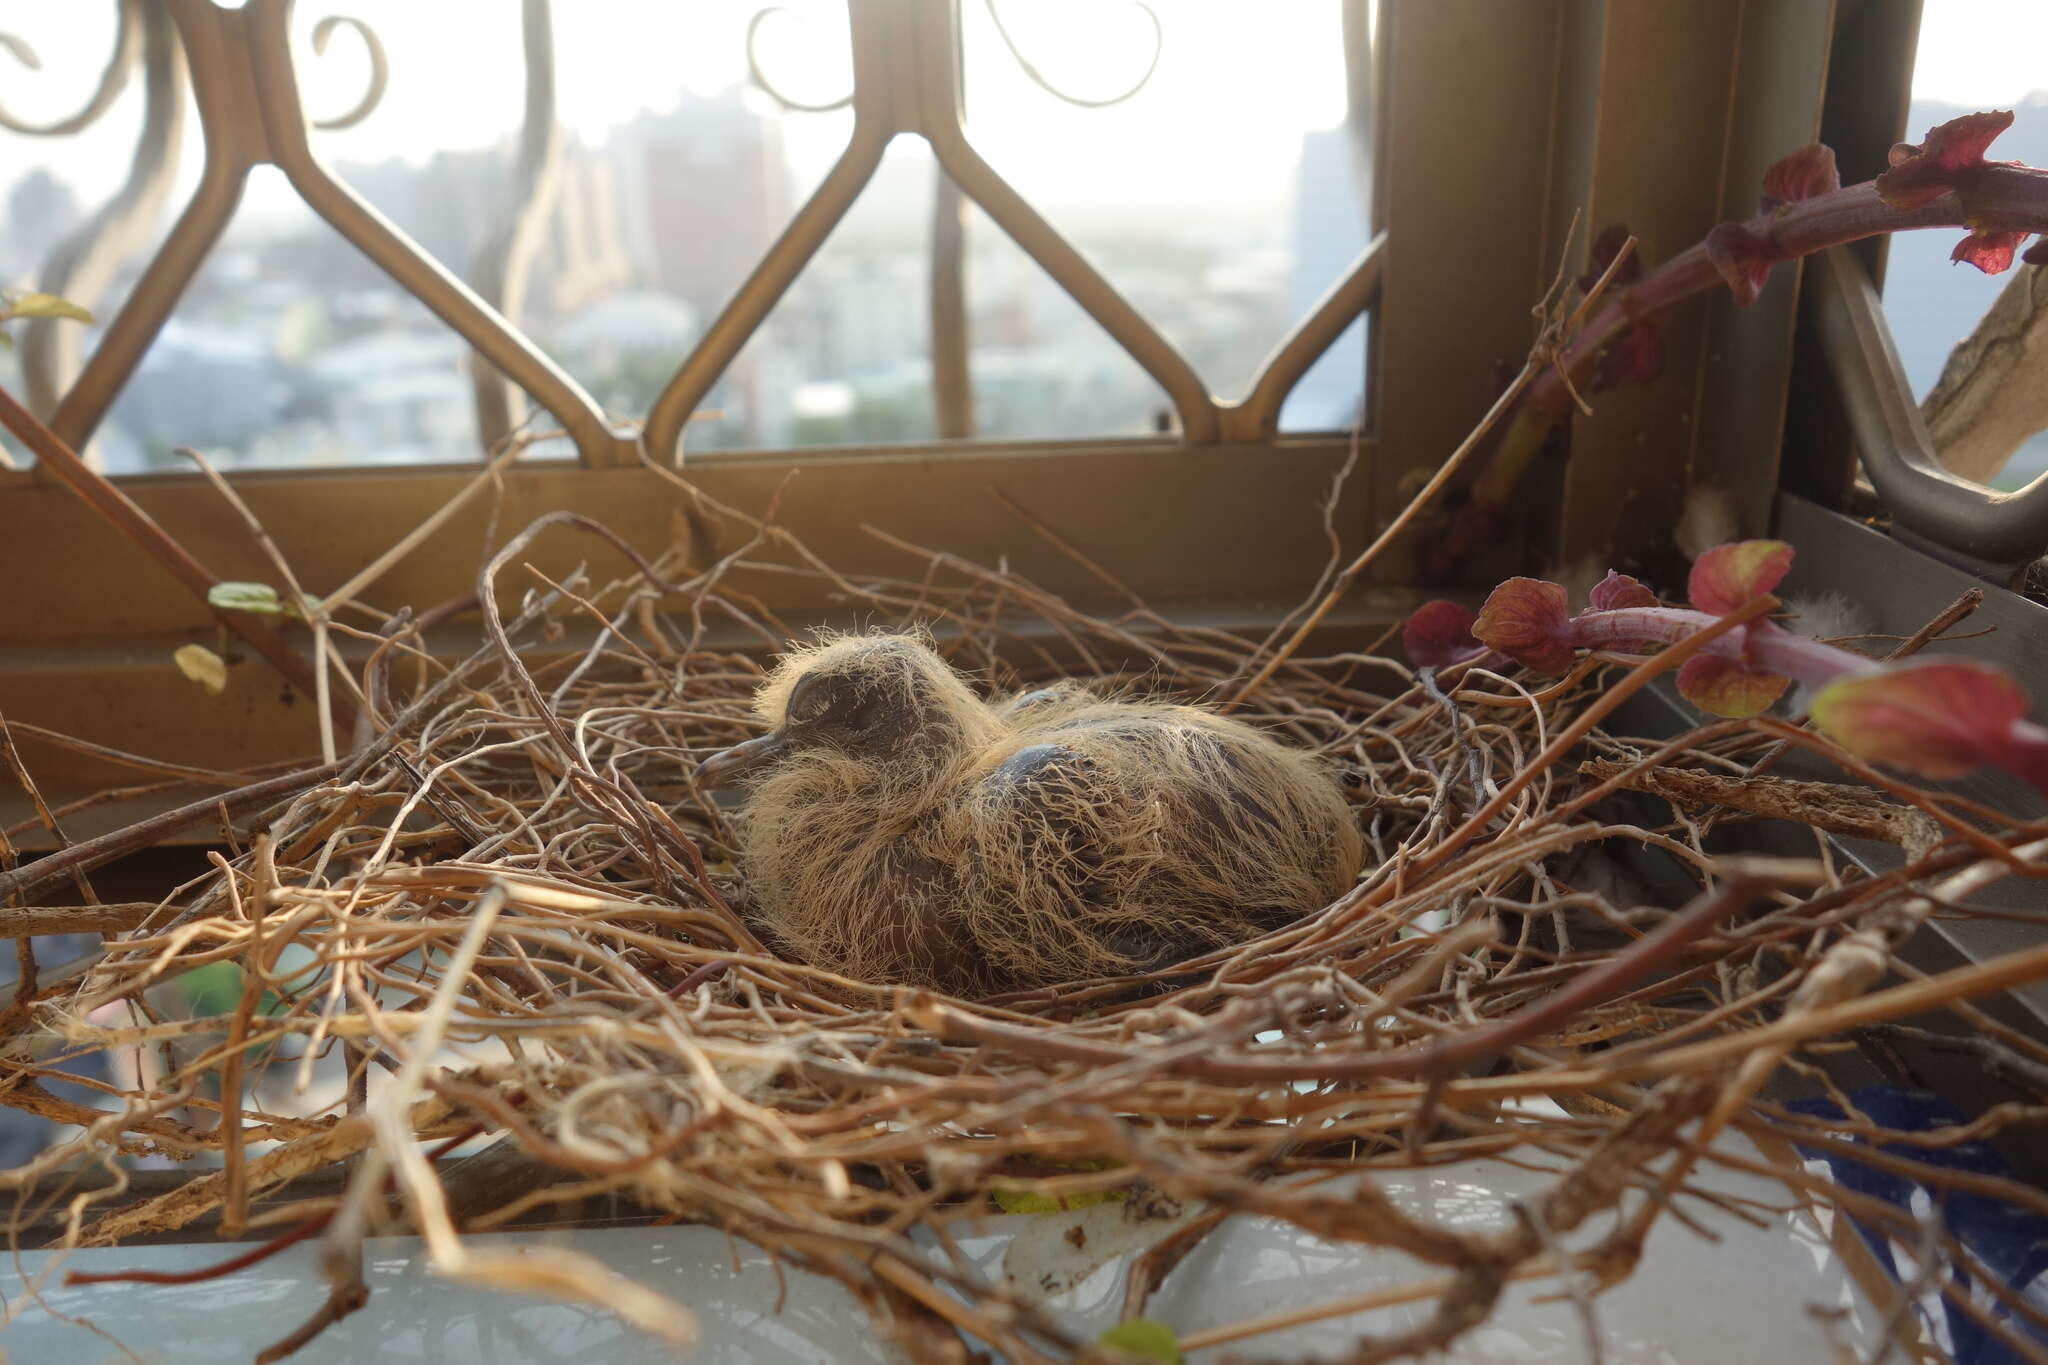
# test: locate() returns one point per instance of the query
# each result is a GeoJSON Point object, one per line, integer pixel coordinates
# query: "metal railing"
{"type": "Point", "coordinates": [1987, 532]}
{"type": "Point", "coordinates": [241, 72]}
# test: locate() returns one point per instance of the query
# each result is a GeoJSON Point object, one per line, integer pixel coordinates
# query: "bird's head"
{"type": "Point", "coordinates": [872, 698]}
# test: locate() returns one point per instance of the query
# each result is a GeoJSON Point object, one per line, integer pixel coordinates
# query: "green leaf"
{"type": "Point", "coordinates": [260, 598]}
{"type": "Point", "coordinates": [37, 305]}
{"type": "Point", "coordinates": [1146, 1339]}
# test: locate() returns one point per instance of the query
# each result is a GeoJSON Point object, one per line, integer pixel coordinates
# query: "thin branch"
{"type": "Point", "coordinates": [124, 515]}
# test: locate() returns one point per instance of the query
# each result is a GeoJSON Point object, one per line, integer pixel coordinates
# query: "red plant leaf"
{"type": "Point", "coordinates": [1921, 174]}
{"type": "Point", "coordinates": [1729, 577]}
{"type": "Point", "coordinates": [1744, 259]}
{"type": "Point", "coordinates": [1604, 249]}
{"type": "Point", "coordinates": [1525, 619]}
{"type": "Point", "coordinates": [1617, 591]}
{"type": "Point", "coordinates": [1438, 635]}
{"type": "Point", "coordinates": [1728, 687]}
{"type": "Point", "coordinates": [1990, 252]}
{"type": "Point", "coordinates": [1936, 717]}
{"type": "Point", "coordinates": [1805, 173]}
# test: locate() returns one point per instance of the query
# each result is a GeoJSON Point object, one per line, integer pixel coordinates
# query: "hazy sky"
{"type": "Point", "coordinates": [1237, 84]}
{"type": "Point", "coordinates": [1991, 53]}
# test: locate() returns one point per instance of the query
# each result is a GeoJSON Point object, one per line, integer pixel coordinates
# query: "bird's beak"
{"type": "Point", "coordinates": [725, 766]}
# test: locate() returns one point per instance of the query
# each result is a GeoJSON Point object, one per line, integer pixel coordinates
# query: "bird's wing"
{"type": "Point", "coordinates": [1038, 785]}
{"type": "Point", "coordinates": [1052, 802]}
{"type": "Point", "coordinates": [923, 933]}
{"type": "Point", "coordinates": [1031, 823]}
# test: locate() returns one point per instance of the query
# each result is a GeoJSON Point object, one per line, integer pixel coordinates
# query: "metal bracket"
{"type": "Point", "coordinates": [1991, 534]}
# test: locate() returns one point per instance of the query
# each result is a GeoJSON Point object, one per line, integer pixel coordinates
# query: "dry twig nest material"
{"type": "Point", "coordinates": [901, 829]}
{"type": "Point", "coordinates": [500, 928]}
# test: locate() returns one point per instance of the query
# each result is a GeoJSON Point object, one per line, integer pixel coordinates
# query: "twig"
{"type": "Point", "coordinates": [1475, 765]}
{"type": "Point", "coordinates": [1441, 1055]}
{"type": "Point", "coordinates": [323, 700]}
{"type": "Point", "coordinates": [36, 921]}
{"type": "Point", "coordinates": [92, 853]}
{"type": "Point", "coordinates": [1834, 807]}
{"type": "Point", "coordinates": [1575, 1289]}
{"type": "Point", "coordinates": [342, 1299]}
{"type": "Point", "coordinates": [1541, 357]}
{"type": "Point", "coordinates": [122, 512]}
{"type": "Point", "coordinates": [1999, 1060]}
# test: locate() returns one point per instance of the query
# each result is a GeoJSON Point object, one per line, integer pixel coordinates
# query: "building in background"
{"type": "Point", "coordinates": [1330, 229]}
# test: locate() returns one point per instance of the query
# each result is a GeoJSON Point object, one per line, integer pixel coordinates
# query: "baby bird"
{"type": "Point", "coordinates": [899, 828]}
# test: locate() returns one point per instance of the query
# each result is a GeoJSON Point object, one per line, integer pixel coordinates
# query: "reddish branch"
{"type": "Point", "coordinates": [255, 1255]}
{"type": "Point", "coordinates": [1943, 182]}
{"type": "Point", "coordinates": [1938, 717]}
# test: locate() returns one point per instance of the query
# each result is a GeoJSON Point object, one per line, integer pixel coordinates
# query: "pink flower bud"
{"type": "Point", "coordinates": [1601, 255]}
{"type": "Point", "coordinates": [1990, 252]}
{"type": "Point", "coordinates": [1744, 259]}
{"type": "Point", "coordinates": [1634, 357]}
{"type": "Point", "coordinates": [1922, 174]}
{"type": "Point", "coordinates": [1617, 591]}
{"type": "Point", "coordinates": [1803, 174]}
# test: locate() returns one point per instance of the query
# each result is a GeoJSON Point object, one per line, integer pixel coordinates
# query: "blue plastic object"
{"type": "Point", "coordinates": [2005, 1240]}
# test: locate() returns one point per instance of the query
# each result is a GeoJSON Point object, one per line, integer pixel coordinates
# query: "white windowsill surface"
{"type": "Point", "coordinates": [1761, 1293]}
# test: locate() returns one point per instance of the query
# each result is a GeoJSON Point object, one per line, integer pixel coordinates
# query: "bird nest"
{"type": "Point", "coordinates": [508, 918]}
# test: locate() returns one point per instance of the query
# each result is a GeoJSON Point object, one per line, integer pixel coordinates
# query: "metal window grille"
{"type": "Point", "coordinates": [243, 75]}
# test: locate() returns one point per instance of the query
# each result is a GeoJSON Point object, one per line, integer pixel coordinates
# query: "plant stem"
{"type": "Point", "coordinates": [2016, 196]}
{"type": "Point", "coordinates": [1761, 643]}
